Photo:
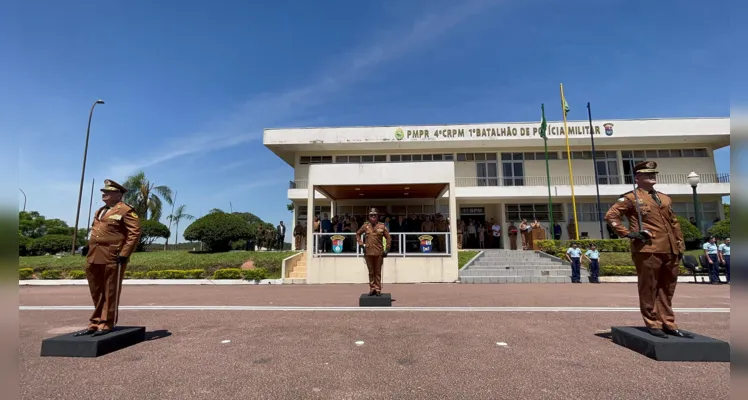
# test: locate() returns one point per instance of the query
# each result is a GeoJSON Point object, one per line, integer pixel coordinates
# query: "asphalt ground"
{"type": "Point", "coordinates": [331, 354]}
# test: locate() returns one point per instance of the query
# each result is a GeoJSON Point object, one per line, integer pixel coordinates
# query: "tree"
{"type": "Point", "coordinates": [178, 215]}
{"type": "Point", "coordinates": [726, 207]}
{"type": "Point", "coordinates": [144, 196]}
{"type": "Point", "coordinates": [720, 230]}
{"type": "Point", "coordinates": [151, 230]}
{"type": "Point", "coordinates": [290, 207]}
{"type": "Point", "coordinates": [217, 230]}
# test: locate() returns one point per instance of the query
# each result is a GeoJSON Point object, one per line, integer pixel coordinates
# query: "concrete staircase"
{"type": "Point", "coordinates": [297, 272]}
{"type": "Point", "coordinates": [518, 266]}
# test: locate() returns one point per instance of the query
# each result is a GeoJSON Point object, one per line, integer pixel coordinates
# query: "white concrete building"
{"type": "Point", "coordinates": [483, 172]}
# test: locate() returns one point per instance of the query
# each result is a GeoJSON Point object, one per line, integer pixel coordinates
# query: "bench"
{"type": "Point", "coordinates": [700, 267]}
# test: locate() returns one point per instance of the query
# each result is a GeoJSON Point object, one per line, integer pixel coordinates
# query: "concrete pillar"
{"type": "Point", "coordinates": [567, 216]}
{"type": "Point", "coordinates": [309, 227]}
{"type": "Point", "coordinates": [453, 225]}
{"type": "Point", "coordinates": [503, 223]}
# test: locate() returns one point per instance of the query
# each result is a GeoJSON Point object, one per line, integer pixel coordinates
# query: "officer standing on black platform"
{"type": "Point", "coordinates": [657, 247]}
{"type": "Point", "coordinates": [375, 249]}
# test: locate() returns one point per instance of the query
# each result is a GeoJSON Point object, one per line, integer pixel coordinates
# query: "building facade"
{"type": "Point", "coordinates": [488, 172]}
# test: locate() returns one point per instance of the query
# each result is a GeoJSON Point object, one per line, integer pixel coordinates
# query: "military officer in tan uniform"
{"type": "Point", "coordinates": [115, 234]}
{"type": "Point", "coordinates": [374, 249]}
{"type": "Point", "coordinates": [657, 247]}
{"type": "Point", "coordinates": [442, 227]}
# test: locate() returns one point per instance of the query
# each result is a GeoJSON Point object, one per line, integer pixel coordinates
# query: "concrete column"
{"type": "Point", "coordinates": [503, 223]}
{"type": "Point", "coordinates": [567, 212]}
{"type": "Point", "coordinates": [453, 229]}
{"type": "Point", "coordinates": [309, 228]}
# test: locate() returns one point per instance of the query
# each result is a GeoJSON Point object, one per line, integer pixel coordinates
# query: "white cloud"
{"type": "Point", "coordinates": [247, 121]}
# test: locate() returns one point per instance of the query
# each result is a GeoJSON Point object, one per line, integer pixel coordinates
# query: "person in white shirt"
{"type": "Point", "coordinates": [496, 231]}
{"type": "Point", "coordinates": [573, 254]}
{"type": "Point", "coordinates": [724, 256]}
{"type": "Point", "coordinates": [593, 256]}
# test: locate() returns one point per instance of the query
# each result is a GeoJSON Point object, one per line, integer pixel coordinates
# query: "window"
{"type": "Point", "coordinates": [420, 157]}
{"type": "Point", "coordinates": [709, 212]}
{"type": "Point", "coordinates": [476, 157]}
{"type": "Point", "coordinates": [360, 159]}
{"type": "Point", "coordinates": [315, 160]}
{"type": "Point", "coordinates": [516, 212]}
{"type": "Point", "coordinates": [587, 212]}
{"type": "Point", "coordinates": [607, 168]}
{"type": "Point", "coordinates": [512, 165]}
{"type": "Point", "coordinates": [318, 211]}
{"type": "Point", "coordinates": [552, 155]}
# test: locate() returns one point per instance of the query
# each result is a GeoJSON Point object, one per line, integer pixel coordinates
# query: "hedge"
{"type": "Point", "coordinates": [143, 262]}
{"type": "Point", "coordinates": [629, 270]}
{"type": "Point", "coordinates": [555, 247]}
{"type": "Point", "coordinates": [256, 274]}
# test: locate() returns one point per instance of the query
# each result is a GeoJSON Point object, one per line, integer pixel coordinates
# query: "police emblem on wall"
{"type": "Point", "coordinates": [426, 243]}
{"type": "Point", "coordinates": [608, 129]}
{"type": "Point", "coordinates": [399, 135]}
{"type": "Point", "coordinates": [337, 243]}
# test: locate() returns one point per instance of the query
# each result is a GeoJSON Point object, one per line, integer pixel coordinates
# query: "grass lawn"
{"type": "Point", "coordinates": [464, 256]}
{"type": "Point", "coordinates": [168, 260]}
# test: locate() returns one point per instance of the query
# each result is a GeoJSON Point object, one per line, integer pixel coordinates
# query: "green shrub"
{"type": "Point", "coordinates": [51, 244]}
{"type": "Point", "coordinates": [690, 232]}
{"type": "Point", "coordinates": [217, 230]}
{"type": "Point", "coordinates": [25, 273]}
{"type": "Point", "coordinates": [228, 273]}
{"type": "Point", "coordinates": [240, 244]}
{"type": "Point", "coordinates": [256, 274]}
{"type": "Point", "coordinates": [77, 274]}
{"type": "Point", "coordinates": [720, 230]}
{"type": "Point", "coordinates": [629, 270]}
{"type": "Point", "coordinates": [556, 247]}
{"type": "Point", "coordinates": [135, 274]}
{"type": "Point", "coordinates": [52, 273]}
{"type": "Point", "coordinates": [175, 274]}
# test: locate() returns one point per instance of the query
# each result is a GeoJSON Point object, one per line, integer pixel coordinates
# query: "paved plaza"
{"type": "Point", "coordinates": [440, 341]}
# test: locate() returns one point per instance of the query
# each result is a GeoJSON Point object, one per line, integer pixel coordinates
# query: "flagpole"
{"type": "Point", "coordinates": [571, 173]}
{"type": "Point", "coordinates": [594, 161]}
{"type": "Point", "coordinates": [547, 168]}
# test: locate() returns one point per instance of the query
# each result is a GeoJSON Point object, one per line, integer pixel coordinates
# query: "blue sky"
{"type": "Point", "coordinates": [189, 85]}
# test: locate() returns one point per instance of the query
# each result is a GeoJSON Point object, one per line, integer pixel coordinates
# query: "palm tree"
{"type": "Point", "coordinates": [178, 215]}
{"type": "Point", "coordinates": [144, 196]}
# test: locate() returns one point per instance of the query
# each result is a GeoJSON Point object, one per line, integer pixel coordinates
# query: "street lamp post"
{"type": "Point", "coordinates": [83, 173]}
{"type": "Point", "coordinates": [693, 180]}
{"type": "Point", "coordinates": [24, 199]}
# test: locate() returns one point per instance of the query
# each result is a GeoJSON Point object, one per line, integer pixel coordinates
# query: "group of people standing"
{"type": "Point", "coordinates": [717, 255]}
{"type": "Point", "coordinates": [270, 239]}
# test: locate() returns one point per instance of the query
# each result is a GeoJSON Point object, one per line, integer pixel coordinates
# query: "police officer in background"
{"type": "Point", "coordinates": [657, 247]}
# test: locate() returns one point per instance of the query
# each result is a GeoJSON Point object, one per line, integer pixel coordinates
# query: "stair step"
{"type": "Point", "coordinates": [515, 264]}
{"type": "Point", "coordinates": [515, 279]}
{"type": "Point", "coordinates": [515, 272]}
{"type": "Point", "coordinates": [297, 275]}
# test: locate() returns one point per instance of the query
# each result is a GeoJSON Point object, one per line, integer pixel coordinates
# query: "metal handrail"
{"type": "Point", "coordinates": [397, 237]}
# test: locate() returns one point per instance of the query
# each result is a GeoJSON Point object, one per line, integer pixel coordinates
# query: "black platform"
{"type": "Point", "coordinates": [672, 348]}
{"type": "Point", "coordinates": [92, 346]}
{"type": "Point", "coordinates": [385, 300]}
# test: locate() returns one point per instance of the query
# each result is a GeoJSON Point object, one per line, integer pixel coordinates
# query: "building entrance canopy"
{"type": "Point", "coordinates": [399, 191]}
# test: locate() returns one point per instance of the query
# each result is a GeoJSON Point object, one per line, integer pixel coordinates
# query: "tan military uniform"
{"type": "Point", "coordinates": [441, 226]}
{"type": "Point", "coordinates": [374, 251]}
{"type": "Point", "coordinates": [115, 233]}
{"type": "Point", "coordinates": [259, 238]}
{"type": "Point", "coordinates": [513, 237]}
{"type": "Point", "coordinates": [656, 260]}
{"type": "Point", "coordinates": [298, 233]}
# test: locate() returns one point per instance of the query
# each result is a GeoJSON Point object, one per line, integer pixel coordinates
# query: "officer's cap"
{"type": "Point", "coordinates": [646, 167]}
{"type": "Point", "coordinates": [373, 211]}
{"type": "Point", "coordinates": [112, 186]}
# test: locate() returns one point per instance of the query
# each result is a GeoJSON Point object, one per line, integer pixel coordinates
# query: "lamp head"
{"type": "Point", "coordinates": [693, 179]}
{"type": "Point", "coordinates": [99, 101]}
